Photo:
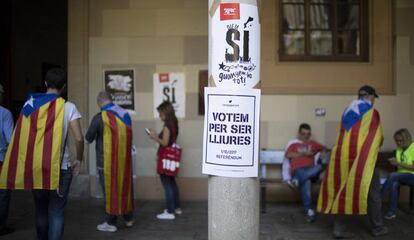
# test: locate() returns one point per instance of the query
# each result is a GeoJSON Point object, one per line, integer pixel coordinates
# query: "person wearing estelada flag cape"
{"type": "Point", "coordinates": [351, 185]}
{"type": "Point", "coordinates": [111, 129]}
{"type": "Point", "coordinates": [38, 158]}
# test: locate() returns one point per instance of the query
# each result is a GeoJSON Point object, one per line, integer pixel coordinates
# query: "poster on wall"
{"type": "Point", "coordinates": [235, 61]}
{"type": "Point", "coordinates": [120, 84]}
{"type": "Point", "coordinates": [170, 87]}
{"type": "Point", "coordinates": [231, 132]}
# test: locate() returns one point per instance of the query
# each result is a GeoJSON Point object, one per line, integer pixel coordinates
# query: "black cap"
{"type": "Point", "coordinates": [367, 90]}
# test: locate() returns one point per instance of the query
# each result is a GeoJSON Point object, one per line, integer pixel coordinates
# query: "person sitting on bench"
{"type": "Point", "coordinates": [302, 165]}
{"type": "Point", "coordinates": [404, 161]}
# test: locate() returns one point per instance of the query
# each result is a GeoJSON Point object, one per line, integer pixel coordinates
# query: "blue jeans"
{"type": "Point", "coordinates": [304, 177]}
{"type": "Point", "coordinates": [111, 219]}
{"type": "Point", "coordinates": [392, 185]}
{"type": "Point", "coordinates": [50, 206]}
{"type": "Point", "coordinates": [172, 195]}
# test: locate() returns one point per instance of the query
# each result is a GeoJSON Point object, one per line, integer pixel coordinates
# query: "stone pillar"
{"type": "Point", "coordinates": [233, 208]}
{"type": "Point", "coordinates": [78, 35]}
{"type": "Point", "coordinates": [233, 203]}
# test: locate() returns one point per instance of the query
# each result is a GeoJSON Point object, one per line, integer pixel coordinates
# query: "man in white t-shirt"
{"type": "Point", "coordinates": [50, 205]}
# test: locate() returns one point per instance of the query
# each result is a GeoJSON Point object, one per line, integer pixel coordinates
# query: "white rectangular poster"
{"type": "Point", "coordinates": [170, 87]}
{"type": "Point", "coordinates": [231, 132]}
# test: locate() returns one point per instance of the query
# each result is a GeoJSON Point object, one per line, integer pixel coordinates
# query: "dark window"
{"type": "Point", "coordinates": [323, 30]}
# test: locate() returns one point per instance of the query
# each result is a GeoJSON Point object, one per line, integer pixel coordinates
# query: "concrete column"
{"type": "Point", "coordinates": [233, 203]}
{"type": "Point", "coordinates": [233, 208]}
{"type": "Point", "coordinates": [78, 36]}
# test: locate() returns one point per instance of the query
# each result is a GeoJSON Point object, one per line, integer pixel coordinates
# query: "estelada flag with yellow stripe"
{"type": "Point", "coordinates": [346, 183]}
{"type": "Point", "coordinates": [117, 140]}
{"type": "Point", "coordinates": [33, 157]}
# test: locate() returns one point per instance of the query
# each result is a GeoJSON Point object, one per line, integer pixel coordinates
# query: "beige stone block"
{"type": "Point", "coordinates": [95, 13]}
{"type": "Point", "coordinates": [192, 76]}
{"type": "Point", "coordinates": [280, 132]}
{"type": "Point", "coordinates": [191, 133]}
{"type": "Point", "coordinates": [191, 162]}
{"type": "Point", "coordinates": [404, 78]}
{"type": "Point", "coordinates": [404, 19]}
{"type": "Point", "coordinates": [394, 108]}
{"type": "Point", "coordinates": [403, 50]}
{"type": "Point", "coordinates": [108, 50]}
{"type": "Point", "coordinates": [159, 50]}
{"type": "Point", "coordinates": [77, 85]}
{"type": "Point", "coordinates": [182, 22]}
{"type": "Point", "coordinates": [278, 108]}
{"type": "Point", "coordinates": [140, 137]}
{"type": "Point", "coordinates": [145, 161]}
{"type": "Point", "coordinates": [196, 50]}
{"type": "Point", "coordinates": [144, 77]}
{"type": "Point", "coordinates": [264, 135]}
{"type": "Point", "coordinates": [191, 107]}
{"type": "Point", "coordinates": [125, 23]}
{"type": "Point", "coordinates": [156, 4]}
{"type": "Point", "coordinates": [195, 4]}
{"type": "Point", "coordinates": [164, 68]}
{"type": "Point", "coordinates": [404, 3]}
{"type": "Point", "coordinates": [412, 50]}
{"type": "Point", "coordinates": [331, 132]}
{"type": "Point", "coordinates": [144, 106]}
{"type": "Point", "coordinates": [77, 31]}
{"type": "Point", "coordinates": [334, 106]}
{"type": "Point", "coordinates": [96, 84]}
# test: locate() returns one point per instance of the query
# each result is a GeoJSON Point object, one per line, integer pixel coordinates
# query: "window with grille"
{"type": "Point", "coordinates": [323, 30]}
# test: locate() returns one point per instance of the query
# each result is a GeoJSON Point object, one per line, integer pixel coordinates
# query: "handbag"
{"type": "Point", "coordinates": [168, 161]}
{"type": "Point", "coordinates": [169, 158]}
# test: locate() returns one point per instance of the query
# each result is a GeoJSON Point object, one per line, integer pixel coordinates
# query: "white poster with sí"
{"type": "Point", "coordinates": [235, 61]}
{"type": "Point", "coordinates": [170, 87]}
{"type": "Point", "coordinates": [231, 132]}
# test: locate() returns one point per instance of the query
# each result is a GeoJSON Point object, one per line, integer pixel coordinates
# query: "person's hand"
{"type": "Point", "coordinates": [309, 154]}
{"type": "Point", "coordinates": [152, 134]}
{"type": "Point", "coordinates": [393, 162]}
{"type": "Point", "coordinates": [76, 165]}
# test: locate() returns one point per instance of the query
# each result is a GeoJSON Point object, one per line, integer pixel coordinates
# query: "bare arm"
{"type": "Point", "coordinates": [76, 130]}
{"type": "Point", "coordinates": [165, 137]}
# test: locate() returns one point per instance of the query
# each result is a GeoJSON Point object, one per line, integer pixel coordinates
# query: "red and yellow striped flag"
{"type": "Point", "coordinates": [33, 157]}
{"type": "Point", "coordinates": [117, 138]}
{"type": "Point", "coordinates": [346, 183]}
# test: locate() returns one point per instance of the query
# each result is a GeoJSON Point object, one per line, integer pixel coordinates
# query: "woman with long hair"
{"type": "Point", "coordinates": [404, 162]}
{"type": "Point", "coordinates": [167, 137]}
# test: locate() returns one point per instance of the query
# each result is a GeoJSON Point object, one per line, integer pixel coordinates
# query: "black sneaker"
{"type": "Point", "coordinates": [390, 215]}
{"type": "Point", "coordinates": [381, 231]}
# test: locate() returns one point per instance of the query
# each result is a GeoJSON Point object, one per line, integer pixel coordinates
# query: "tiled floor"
{"type": "Point", "coordinates": [281, 222]}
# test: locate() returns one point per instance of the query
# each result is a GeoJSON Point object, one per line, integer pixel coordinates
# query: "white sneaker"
{"type": "Point", "coordinates": [129, 223]}
{"type": "Point", "coordinates": [105, 227]}
{"type": "Point", "coordinates": [178, 211]}
{"type": "Point", "coordinates": [166, 216]}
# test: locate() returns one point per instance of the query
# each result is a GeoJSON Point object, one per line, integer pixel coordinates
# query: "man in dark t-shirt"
{"type": "Point", "coordinates": [303, 168]}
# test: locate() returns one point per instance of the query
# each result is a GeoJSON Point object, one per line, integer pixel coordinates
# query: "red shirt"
{"type": "Point", "coordinates": [305, 161]}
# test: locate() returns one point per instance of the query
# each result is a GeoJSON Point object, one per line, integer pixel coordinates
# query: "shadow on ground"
{"type": "Point", "coordinates": [280, 222]}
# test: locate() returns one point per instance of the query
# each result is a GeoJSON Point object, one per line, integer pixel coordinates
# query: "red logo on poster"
{"type": "Point", "coordinates": [164, 77]}
{"type": "Point", "coordinates": [229, 11]}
